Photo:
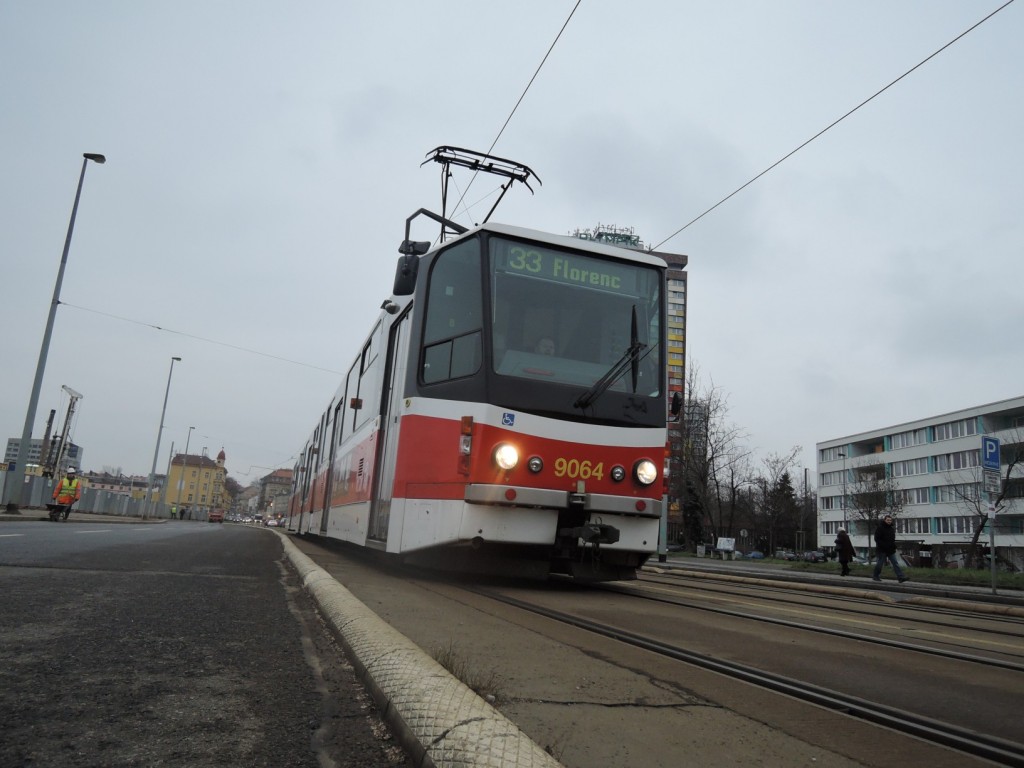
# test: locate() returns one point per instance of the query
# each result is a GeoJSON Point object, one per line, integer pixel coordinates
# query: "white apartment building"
{"type": "Point", "coordinates": [933, 467]}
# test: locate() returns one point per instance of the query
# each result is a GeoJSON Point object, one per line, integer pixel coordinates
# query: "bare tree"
{"type": "Point", "coordinates": [872, 496]}
{"type": "Point", "coordinates": [711, 461]}
{"type": "Point", "coordinates": [778, 506]}
{"type": "Point", "coordinates": [971, 500]}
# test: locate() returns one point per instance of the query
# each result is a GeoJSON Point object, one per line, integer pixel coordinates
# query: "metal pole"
{"type": "Point", "coordinates": [156, 453]}
{"type": "Point", "coordinates": [203, 455]}
{"type": "Point", "coordinates": [992, 542]}
{"type": "Point", "coordinates": [15, 495]}
{"type": "Point", "coordinates": [170, 457]}
{"type": "Point", "coordinates": [181, 478]}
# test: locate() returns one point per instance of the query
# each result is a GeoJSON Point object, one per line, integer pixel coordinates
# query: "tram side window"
{"type": "Point", "coordinates": [369, 380]}
{"type": "Point", "coordinates": [454, 315]}
{"type": "Point", "coordinates": [352, 391]}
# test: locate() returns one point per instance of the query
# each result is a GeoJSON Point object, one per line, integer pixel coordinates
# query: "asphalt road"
{"type": "Point", "coordinates": [170, 644]}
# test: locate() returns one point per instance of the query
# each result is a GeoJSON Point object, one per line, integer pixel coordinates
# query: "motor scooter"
{"type": "Point", "coordinates": [56, 510]}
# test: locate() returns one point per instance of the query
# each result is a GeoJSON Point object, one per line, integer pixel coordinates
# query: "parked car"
{"type": "Point", "coordinates": [816, 556]}
{"type": "Point", "coordinates": [755, 555]}
{"type": "Point", "coordinates": [785, 554]}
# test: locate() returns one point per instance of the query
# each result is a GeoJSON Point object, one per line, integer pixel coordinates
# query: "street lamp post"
{"type": "Point", "coordinates": [17, 484]}
{"type": "Point", "coordinates": [181, 479]}
{"type": "Point", "coordinates": [843, 454]}
{"type": "Point", "coordinates": [156, 453]}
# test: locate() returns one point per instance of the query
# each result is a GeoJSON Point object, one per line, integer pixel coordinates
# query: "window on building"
{"type": "Point", "coordinates": [959, 460]}
{"type": "Point", "coordinates": [910, 496]}
{"type": "Point", "coordinates": [909, 438]}
{"type": "Point", "coordinates": [913, 525]}
{"type": "Point", "coordinates": [957, 492]}
{"type": "Point", "coordinates": [910, 467]}
{"type": "Point", "coordinates": [831, 478]}
{"type": "Point", "coordinates": [954, 429]}
{"type": "Point", "coordinates": [831, 454]}
{"type": "Point", "coordinates": [958, 524]}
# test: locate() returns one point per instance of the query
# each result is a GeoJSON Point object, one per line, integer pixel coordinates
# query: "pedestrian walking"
{"type": "Point", "coordinates": [885, 546]}
{"type": "Point", "coordinates": [844, 551]}
{"type": "Point", "coordinates": [174, 512]}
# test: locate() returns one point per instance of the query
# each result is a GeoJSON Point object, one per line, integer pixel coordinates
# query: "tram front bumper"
{"type": "Point", "coordinates": [519, 496]}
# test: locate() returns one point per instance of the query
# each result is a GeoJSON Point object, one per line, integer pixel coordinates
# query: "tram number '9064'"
{"type": "Point", "coordinates": [579, 470]}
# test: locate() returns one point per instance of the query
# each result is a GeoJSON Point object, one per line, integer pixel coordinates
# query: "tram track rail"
{"type": "Point", "coordinates": [942, 605]}
{"type": "Point", "coordinates": [946, 734]}
{"type": "Point", "coordinates": [840, 633]}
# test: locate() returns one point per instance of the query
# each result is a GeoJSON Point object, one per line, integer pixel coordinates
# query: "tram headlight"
{"type": "Point", "coordinates": [645, 472]}
{"type": "Point", "coordinates": [506, 456]}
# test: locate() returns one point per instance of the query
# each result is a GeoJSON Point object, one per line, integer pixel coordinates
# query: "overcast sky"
{"type": "Point", "coordinates": [262, 159]}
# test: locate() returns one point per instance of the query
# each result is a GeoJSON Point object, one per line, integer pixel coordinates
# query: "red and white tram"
{"type": "Point", "coordinates": [507, 412]}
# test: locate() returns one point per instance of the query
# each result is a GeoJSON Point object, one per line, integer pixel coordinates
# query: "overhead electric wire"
{"type": "Point", "coordinates": [520, 100]}
{"type": "Point", "coordinates": [200, 338]}
{"type": "Point", "coordinates": [833, 124]}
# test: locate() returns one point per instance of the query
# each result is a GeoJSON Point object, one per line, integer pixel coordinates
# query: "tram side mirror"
{"type": "Point", "coordinates": [408, 267]}
{"type": "Point", "coordinates": [676, 405]}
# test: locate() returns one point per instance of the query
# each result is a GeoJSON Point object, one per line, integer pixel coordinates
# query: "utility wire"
{"type": "Point", "coordinates": [521, 97]}
{"type": "Point", "coordinates": [200, 338]}
{"type": "Point", "coordinates": [833, 124]}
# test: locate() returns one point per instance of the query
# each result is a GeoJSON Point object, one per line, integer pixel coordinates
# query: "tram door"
{"type": "Point", "coordinates": [387, 439]}
{"type": "Point", "coordinates": [336, 419]}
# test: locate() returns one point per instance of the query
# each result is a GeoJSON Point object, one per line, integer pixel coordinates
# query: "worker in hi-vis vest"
{"type": "Point", "coordinates": [68, 490]}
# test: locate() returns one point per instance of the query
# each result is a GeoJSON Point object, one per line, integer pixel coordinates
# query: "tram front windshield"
{"type": "Point", "coordinates": [569, 318]}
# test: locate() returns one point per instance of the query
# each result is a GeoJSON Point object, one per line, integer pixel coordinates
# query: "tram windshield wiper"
{"type": "Point", "coordinates": [630, 358]}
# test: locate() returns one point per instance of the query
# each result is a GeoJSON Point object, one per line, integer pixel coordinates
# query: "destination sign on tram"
{"type": "Point", "coordinates": [568, 268]}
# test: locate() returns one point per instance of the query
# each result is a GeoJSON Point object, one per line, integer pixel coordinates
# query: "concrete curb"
{"type": "Point", "coordinates": [968, 606]}
{"type": "Point", "coordinates": [439, 721]}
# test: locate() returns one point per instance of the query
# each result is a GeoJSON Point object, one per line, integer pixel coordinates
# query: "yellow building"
{"type": "Point", "coordinates": [196, 481]}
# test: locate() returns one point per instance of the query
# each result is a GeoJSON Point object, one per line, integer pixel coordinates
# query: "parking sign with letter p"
{"type": "Point", "coordinates": [990, 453]}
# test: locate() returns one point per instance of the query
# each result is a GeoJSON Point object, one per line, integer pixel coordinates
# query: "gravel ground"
{"type": "Point", "coordinates": [144, 666]}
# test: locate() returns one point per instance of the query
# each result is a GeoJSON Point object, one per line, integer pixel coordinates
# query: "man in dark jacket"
{"type": "Point", "coordinates": [885, 545]}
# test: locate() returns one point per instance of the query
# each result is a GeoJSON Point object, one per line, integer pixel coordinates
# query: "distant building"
{"type": "Point", "coordinates": [72, 457]}
{"type": "Point", "coordinates": [196, 481]}
{"type": "Point", "coordinates": [933, 468]}
{"type": "Point", "coordinates": [276, 485]}
{"type": "Point", "coordinates": [125, 485]}
{"type": "Point", "coordinates": [675, 336]}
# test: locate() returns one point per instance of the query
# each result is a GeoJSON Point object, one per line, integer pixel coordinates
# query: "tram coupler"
{"type": "Point", "coordinates": [593, 533]}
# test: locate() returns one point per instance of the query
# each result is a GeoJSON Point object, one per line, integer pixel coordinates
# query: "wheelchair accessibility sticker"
{"type": "Point", "coordinates": [508, 419]}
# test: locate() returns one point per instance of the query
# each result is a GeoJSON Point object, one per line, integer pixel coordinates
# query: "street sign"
{"type": "Point", "coordinates": [993, 484]}
{"type": "Point", "coordinates": [990, 453]}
